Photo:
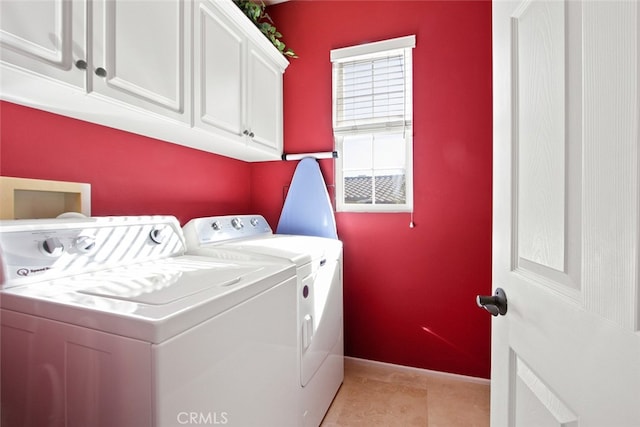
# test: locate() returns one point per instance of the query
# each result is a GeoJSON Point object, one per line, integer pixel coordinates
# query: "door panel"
{"type": "Point", "coordinates": [566, 213]}
{"type": "Point", "coordinates": [539, 405]}
{"type": "Point", "coordinates": [546, 121]}
{"type": "Point", "coordinates": [538, 41]}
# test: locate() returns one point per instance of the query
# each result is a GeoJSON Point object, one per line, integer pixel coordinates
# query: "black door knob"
{"type": "Point", "coordinates": [496, 304]}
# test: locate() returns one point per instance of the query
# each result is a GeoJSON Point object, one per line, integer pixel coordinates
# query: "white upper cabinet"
{"type": "Point", "coordinates": [238, 79]}
{"type": "Point", "coordinates": [139, 55]}
{"type": "Point", "coordinates": [198, 74]}
{"type": "Point", "coordinates": [46, 37]}
{"type": "Point", "coordinates": [264, 100]}
{"type": "Point", "coordinates": [218, 72]}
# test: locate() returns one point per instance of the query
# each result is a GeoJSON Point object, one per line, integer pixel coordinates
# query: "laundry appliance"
{"type": "Point", "coordinates": [318, 261]}
{"type": "Point", "coordinates": [106, 322]}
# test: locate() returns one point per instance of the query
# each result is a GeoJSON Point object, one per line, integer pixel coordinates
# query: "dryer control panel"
{"type": "Point", "coordinates": [35, 250]}
{"type": "Point", "coordinates": [216, 229]}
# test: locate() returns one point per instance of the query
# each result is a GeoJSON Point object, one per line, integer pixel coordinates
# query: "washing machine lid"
{"type": "Point", "coordinates": [164, 283]}
{"type": "Point", "coordinates": [252, 234]}
{"type": "Point", "coordinates": [150, 301]}
{"type": "Point", "coordinates": [297, 249]}
{"type": "Point", "coordinates": [306, 252]}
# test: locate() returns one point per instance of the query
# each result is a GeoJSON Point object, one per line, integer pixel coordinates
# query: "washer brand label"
{"type": "Point", "coordinates": [24, 272]}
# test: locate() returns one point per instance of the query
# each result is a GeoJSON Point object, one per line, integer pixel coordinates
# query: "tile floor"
{"type": "Point", "coordinates": [375, 394]}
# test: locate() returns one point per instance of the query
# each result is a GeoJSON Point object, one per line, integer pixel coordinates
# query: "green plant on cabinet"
{"type": "Point", "coordinates": [256, 13]}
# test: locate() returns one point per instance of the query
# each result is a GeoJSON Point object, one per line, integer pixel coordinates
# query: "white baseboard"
{"type": "Point", "coordinates": [429, 372]}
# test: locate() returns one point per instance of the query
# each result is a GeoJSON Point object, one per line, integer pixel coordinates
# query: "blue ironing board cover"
{"type": "Point", "coordinates": [307, 208]}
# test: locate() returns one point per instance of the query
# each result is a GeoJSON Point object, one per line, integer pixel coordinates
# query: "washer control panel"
{"type": "Point", "coordinates": [34, 250]}
{"type": "Point", "coordinates": [216, 229]}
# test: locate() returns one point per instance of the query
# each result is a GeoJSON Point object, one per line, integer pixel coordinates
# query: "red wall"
{"type": "Point", "coordinates": [409, 293]}
{"type": "Point", "coordinates": [129, 174]}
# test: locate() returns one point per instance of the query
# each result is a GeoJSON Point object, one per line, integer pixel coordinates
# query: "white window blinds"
{"type": "Point", "coordinates": [372, 125]}
{"type": "Point", "coordinates": [371, 85]}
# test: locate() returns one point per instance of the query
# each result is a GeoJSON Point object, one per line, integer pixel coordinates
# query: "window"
{"type": "Point", "coordinates": [372, 126]}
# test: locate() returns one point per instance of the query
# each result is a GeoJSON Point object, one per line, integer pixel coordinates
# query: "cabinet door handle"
{"type": "Point", "coordinates": [251, 134]}
{"type": "Point", "coordinates": [247, 133]}
{"type": "Point", "coordinates": [101, 72]}
{"type": "Point", "coordinates": [81, 64]}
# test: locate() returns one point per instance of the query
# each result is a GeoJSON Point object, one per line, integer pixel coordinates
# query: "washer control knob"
{"type": "Point", "coordinates": [216, 225]}
{"type": "Point", "coordinates": [254, 222]}
{"type": "Point", "coordinates": [85, 244]}
{"type": "Point", "coordinates": [52, 246]}
{"type": "Point", "coordinates": [157, 235]}
{"type": "Point", "coordinates": [237, 223]}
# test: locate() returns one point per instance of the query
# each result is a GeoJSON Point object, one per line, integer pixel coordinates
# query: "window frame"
{"type": "Point", "coordinates": [371, 51]}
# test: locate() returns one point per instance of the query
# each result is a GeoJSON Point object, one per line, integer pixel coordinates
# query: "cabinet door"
{"type": "Point", "coordinates": [219, 73]}
{"type": "Point", "coordinates": [46, 37]}
{"type": "Point", "coordinates": [264, 101]}
{"type": "Point", "coordinates": [140, 54]}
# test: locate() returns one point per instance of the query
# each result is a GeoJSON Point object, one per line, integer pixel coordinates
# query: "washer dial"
{"type": "Point", "coordinates": [85, 244]}
{"type": "Point", "coordinates": [237, 223]}
{"type": "Point", "coordinates": [157, 235]}
{"type": "Point", "coordinates": [52, 246]}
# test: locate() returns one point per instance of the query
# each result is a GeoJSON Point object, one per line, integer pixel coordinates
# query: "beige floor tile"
{"type": "Point", "coordinates": [455, 403]}
{"type": "Point", "coordinates": [385, 395]}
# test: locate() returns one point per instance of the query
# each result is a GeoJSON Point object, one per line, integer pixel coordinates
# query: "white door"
{"type": "Point", "coordinates": [566, 214]}
{"type": "Point", "coordinates": [141, 51]}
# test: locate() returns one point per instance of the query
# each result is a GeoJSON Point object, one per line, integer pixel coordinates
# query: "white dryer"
{"type": "Point", "coordinates": [106, 321]}
{"type": "Point", "coordinates": [318, 261]}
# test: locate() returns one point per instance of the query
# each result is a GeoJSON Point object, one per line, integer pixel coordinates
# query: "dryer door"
{"type": "Point", "coordinates": [322, 322]}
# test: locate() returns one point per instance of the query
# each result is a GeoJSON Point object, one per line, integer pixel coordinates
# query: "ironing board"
{"type": "Point", "coordinates": [307, 208]}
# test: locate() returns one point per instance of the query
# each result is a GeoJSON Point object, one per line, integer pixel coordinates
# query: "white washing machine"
{"type": "Point", "coordinates": [318, 261]}
{"type": "Point", "coordinates": [106, 321]}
